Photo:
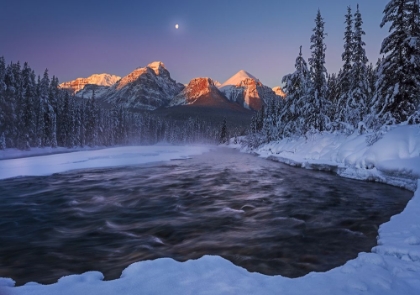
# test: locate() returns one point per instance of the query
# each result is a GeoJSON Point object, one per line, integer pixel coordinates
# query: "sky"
{"type": "Point", "coordinates": [215, 38]}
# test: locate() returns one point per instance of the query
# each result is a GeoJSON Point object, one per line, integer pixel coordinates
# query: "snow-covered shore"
{"type": "Point", "coordinates": [393, 267]}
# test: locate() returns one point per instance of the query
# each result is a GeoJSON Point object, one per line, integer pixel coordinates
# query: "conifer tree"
{"type": "Point", "coordinates": [223, 132]}
{"type": "Point", "coordinates": [347, 56]}
{"type": "Point", "coordinates": [2, 95]}
{"type": "Point", "coordinates": [398, 84]}
{"type": "Point", "coordinates": [318, 109]}
{"type": "Point", "coordinates": [2, 141]}
{"type": "Point", "coordinates": [357, 105]}
{"type": "Point", "coordinates": [297, 87]}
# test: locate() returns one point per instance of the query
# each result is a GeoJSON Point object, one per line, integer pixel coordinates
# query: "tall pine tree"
{"type": "Point", "coordinates": [397, 98]}
{"type": "Point", "coordinates": [298, 87]}
{"type": "Point", "coordinates": [318, 109]}
{"type": "Point", "coordinates": [357, 105]}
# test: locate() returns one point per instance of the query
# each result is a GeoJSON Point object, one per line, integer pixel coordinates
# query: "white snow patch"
{"type": "Point", "coordinates": [110, 157]}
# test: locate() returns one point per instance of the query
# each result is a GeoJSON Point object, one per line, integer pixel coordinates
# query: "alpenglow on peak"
{"type": "Point", "coordinates": [156, 66]}
{"type": "Point", "coordinates": [238, 78]}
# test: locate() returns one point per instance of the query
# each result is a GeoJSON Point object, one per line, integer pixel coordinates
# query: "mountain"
{"type": "Point", "coordinates": [246, 90]}
{"type": "Point", "coordinates": [77, 85]}
{"type": "Point", "coordinates": [145, 88]}
{"type": "Point", "coordinates": [200, 91]}
{"type": "Point", "coordinates": [201, 99]}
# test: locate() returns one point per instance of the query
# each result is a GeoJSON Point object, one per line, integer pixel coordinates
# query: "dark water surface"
{"type": "Point", "coordinates": [263, 216]}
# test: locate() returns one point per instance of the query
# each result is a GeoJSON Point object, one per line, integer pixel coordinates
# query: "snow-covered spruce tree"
{"type": "Point", "coordinates": [270, 128]}
{"type": "Point", "coordinates": [27, 110]}
{"type": "Point", "coordinates": [372, 78]}
{"type": "Point", "coordinates": [223, 132]}
{"type": "Point", "coordinates": [67, 121]}
{"type": "Point", "coordinates": [347, 57]}
{"type": "Point", "coordinates": [2, 95]}
{"type": "Point", "coordinates": [357, 105]}
{"type": "Point", "coordinates": [12, 97]}
{"type": "Point", "coordinates": [91, 121]}
{"type": "Point", "coordinates": [2, 141]}
{"type": "Point", "coordinates": [316, 112]}
{"type": "Point", "coordinates": [297, 87]}
{"type": "Point", "coordinates": [398, 87]}
{"type": "Point", "coordinates": [345, 76]}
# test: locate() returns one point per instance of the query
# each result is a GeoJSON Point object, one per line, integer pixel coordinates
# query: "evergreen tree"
{"type": "Point", "coordinates": [2, 95]}
{"type": "Point", "coordinates": [345, 77]}
{"type": "Point", "coordinates": [67, 123]}
{"type": "Point", "coordinates": [2, 141]}
{"type": "Point", "coordinates": [223, 132]}
{"type": "Point", "coordinates": [318, 108]}
{"type": "Point", "coordinates": [397, 98]}
{"type": "Point", "coordinates": [347, 56]}
{"type": "Point", "coordinates": [357, 105]}
{"type": "Point", "coordinates": [26, 113]}
{"type": "Point", "coordinates": [297, 87]}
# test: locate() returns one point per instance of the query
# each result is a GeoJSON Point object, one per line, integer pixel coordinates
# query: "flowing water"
{"type": "Point", "coordinates": [261, 215]}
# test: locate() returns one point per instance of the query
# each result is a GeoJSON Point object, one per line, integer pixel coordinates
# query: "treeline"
{"type": "Point", "coordinates": [362, 97]}
{"type": "Point", "coordinates": [34, 112]}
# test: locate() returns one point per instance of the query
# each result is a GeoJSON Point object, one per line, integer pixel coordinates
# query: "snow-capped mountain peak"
{"type": "Point", "coordinates": [78, 84]}
{"type": "Point", "coordinates": [145, 88]}
{"type": "Point", "coordinates": [157, 67]}
{"type": "Point", "coordinates": [201, 91]}
{"type": "Point", "coordinates": [238, 78]}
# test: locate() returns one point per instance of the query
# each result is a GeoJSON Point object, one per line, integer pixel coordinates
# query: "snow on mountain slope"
{"type": "Point", "coordinates": [145, 88]}
{"type": "Point", "coordinates": [250, 93]}
{"type": "Point", "coordinates": [79, 84]}
{"type": "Point", "coordinates": [87, 91]}
{"type": "Point", "coordinates": [279, 91]}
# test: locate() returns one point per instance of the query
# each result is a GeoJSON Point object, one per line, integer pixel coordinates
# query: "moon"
{"type": "Point", "coordinates": [177, 26]}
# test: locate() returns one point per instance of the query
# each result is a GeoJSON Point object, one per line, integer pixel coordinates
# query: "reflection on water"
{"type": "Point", "coordinates": [261, 215]}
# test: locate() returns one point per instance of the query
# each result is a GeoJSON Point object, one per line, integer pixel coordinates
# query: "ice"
{"type": "Point", "coordinates": [393, 267]}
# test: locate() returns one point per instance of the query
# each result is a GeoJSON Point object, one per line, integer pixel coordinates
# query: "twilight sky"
{"type": "Point", "coordinates": [215, 39]}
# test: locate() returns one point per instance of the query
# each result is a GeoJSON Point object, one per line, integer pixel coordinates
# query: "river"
{"type": "Point", "coordinates": [264, 216]}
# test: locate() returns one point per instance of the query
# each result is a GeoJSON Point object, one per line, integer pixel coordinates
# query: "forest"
{"type": "Point", "coordinates": [35, 112]}
{"type": "Point", "coordinates": [362, 97]}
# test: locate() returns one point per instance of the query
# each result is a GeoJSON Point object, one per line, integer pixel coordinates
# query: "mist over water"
{"type": "Point", "coordinates": [264, 216]}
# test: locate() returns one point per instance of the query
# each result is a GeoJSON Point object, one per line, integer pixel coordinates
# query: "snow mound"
{"type": "Point", "coordinates": [392, 158]}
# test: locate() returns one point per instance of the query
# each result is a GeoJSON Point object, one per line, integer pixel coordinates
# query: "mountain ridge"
{"type": "Point", "coordinates": [151, 87]}
{"type": "Point", "coordinates": [78, 84]}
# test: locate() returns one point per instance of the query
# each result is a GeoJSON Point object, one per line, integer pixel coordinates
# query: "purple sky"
{"type": "Point", "coordinates": [216, 38]}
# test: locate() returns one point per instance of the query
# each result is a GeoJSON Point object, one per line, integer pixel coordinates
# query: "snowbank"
{"type": "Point", "coordinates": [392, 159]}
{"type": "Point", "coordinates": [110, 157]}
{"type": "Point", "coordinates": [393, 267]}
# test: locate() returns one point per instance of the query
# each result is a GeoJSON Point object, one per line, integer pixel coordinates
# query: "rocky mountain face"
{"type": "Point", "coordinates": [78, 85]}
{"type": "Point", "coordinates": [248, 91]}
{"type": "Point", "coordinates": [145, 88]}
{"type": "Point", "coordinates": [200, 91]}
